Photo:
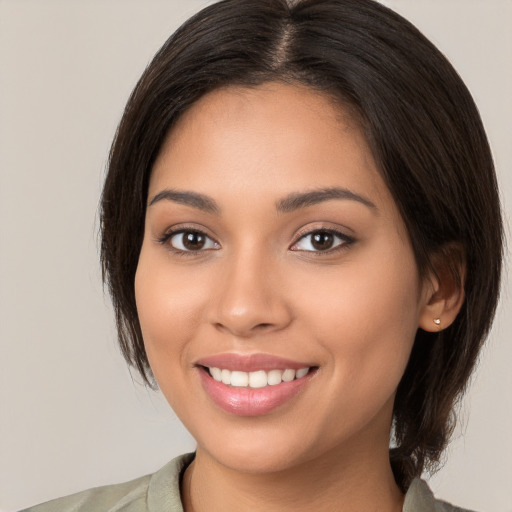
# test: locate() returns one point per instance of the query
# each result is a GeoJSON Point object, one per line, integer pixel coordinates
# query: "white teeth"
{"type": "Point", "coordinates": [301, 373]}
{"type": "Point", "coordinates": [239, 379]}
{"type": "Point", "coordinates": [225, 377]}
{"type": "Point", "coordinates": [288, 375]}
{"type": "Point", "coordinates": [257, 379]}
{"type": "Point", "coordinates": [216, 373]}
{"type": "Point", "coordinates": [274, 377]}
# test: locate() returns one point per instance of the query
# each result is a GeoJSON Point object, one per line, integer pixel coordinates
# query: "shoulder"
{"type": "Point", "coordinates": [157, 491]}
{"type": "Point", "coordinates": [128, 496]}
{"type": "Point", "coordinates": [419, 498]}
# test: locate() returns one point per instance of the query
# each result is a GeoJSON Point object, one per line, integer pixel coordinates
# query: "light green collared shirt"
{"type": "Point", "coordinates": [160, 492]}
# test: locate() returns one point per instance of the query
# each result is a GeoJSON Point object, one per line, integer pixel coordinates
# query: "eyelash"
{"type": "Point", "coordinates": [345, 241]}
{"type": "Point", "coordinates": [165, 240]}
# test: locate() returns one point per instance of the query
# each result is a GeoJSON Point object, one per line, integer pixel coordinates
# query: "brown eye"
{"type": "Point", "coordinates": [321, 240]}
{"type": "Point", "coordinates": [191, 240]}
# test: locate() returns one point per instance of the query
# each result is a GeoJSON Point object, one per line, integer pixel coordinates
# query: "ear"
{"type": "Point", "coordinates": [443, 291]}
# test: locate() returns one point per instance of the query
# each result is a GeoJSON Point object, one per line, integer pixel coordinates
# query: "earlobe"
{"type": "Point", "coordinates": [444, 291]}
{"type": "Point", "coordinates": [441, 310]}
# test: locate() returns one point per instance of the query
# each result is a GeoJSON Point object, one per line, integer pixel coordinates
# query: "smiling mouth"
{"type": "Point", "coordinates": [256, 391]}
{"type": "Point", "coordinates": [256, 379]}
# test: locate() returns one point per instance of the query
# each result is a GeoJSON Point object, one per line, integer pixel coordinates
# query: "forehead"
{"type": "Point", "coordinates": [276, 101]}
{"type": "Point", "coordinates": [266, 140]}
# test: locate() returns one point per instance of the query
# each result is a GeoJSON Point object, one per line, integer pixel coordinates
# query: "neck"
{"type": "Point", "coordinates": [353, 482]}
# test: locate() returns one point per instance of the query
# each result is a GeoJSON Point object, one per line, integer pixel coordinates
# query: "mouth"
{"type": "Point", "coordinates": [257, 379]}
{"type": "Point", "coordinates": [253, 385]}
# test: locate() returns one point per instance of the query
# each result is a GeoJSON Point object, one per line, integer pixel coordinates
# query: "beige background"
{"type": "Point", "coordinates": [71, 416]}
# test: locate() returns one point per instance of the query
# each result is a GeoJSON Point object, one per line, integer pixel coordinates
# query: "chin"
{"type": "Point", "coordinates": [255, 461]}
{"type": "Point", "coordinates": [254, 450]}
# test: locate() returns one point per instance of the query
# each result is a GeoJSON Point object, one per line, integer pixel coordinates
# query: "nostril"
{"type": "Point", "coordinates": [246, 320]}
{"type": "Point", "coordinates": [245, 330]}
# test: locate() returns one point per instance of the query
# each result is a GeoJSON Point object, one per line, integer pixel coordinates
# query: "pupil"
{"type": "Point", "coordinates": [193, 241]}
{"type": "Point", "coordinates": [322, 241]}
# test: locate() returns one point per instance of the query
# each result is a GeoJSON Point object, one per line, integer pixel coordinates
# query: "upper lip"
{"type": "Point", "coordinates": [250, 362]}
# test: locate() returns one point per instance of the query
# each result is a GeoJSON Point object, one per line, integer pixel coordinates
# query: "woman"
{"type": "Point", "coordinates": [302, 239]}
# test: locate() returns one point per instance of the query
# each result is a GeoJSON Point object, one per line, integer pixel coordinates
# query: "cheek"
{"type": "Point", "coordinates": [365, 315]}
{"type": "Point", "coordinates": [168, 311]}
{"type": "Point", "coordinates": [167, 305]}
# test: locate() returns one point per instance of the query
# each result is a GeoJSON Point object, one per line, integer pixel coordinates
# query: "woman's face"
{"type": "Point", "coordinates": [272, 243]}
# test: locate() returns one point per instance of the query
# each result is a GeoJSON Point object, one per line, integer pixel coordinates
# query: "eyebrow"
{"type": "Point", "coordinates": [193, 199]}
{"type": "Point", "coordinates": [290, 203]}
{"type": "Point", "coordinates": [296, 201]}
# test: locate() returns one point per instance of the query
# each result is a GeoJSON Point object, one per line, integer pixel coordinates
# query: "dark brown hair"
{"type": "Point", "coordinates": [427, 139]}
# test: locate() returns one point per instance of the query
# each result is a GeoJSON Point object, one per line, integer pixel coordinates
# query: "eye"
{"type": "Point", "coordinates": [190, 240]}
{"type": "Point", "coordinates": [321, 240]}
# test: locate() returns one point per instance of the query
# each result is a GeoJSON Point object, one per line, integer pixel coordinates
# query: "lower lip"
{"type": "Point", "coordinates": [251, 401]}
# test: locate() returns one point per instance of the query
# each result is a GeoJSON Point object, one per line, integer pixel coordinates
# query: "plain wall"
{"type": "Point", "coordinates": [71, 416]}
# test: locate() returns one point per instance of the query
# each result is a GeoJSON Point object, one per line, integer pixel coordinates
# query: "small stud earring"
{"type": "Point", "coordinates": [437, 321]}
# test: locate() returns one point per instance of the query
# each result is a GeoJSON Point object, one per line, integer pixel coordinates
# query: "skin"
{"type": "Point", "coordinates": [260, 287]}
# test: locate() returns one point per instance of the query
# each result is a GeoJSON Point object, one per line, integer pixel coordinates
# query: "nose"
{"type": "Point", "coordinates": [251, 299]}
